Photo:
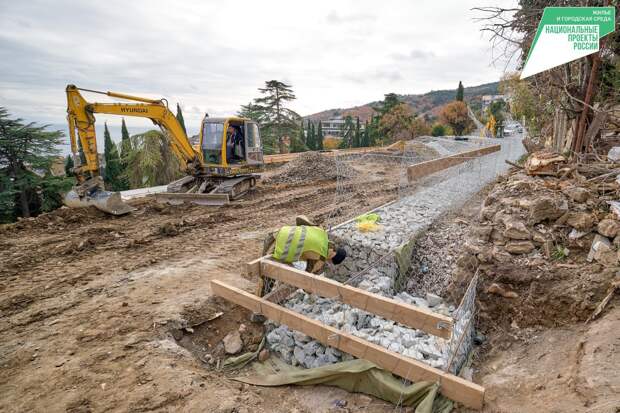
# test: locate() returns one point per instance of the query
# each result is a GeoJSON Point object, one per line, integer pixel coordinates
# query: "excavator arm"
{"type": "Point", "coordinates": [81, 119]}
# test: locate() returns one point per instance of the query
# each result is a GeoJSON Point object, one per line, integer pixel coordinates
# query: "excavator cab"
{"type": "Point", "coordinates": [230, 142]}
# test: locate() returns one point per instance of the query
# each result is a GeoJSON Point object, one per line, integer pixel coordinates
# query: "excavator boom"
{"type": "Point", "coordinates": [81, 119]}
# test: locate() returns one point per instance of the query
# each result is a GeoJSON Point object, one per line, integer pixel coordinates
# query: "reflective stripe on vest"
{"type": "Point", "coordinates": [293, 241]}
{"type": "Point", "coordinates": [289, 241]}
{"type": "Point", "coordinates": [300, 243]}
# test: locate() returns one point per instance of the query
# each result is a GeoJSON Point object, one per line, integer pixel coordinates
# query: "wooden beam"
{"type": "Point", "coordinates": [252, 268]}
{"type": "Point", "coordinates": [423, 169]}
{"type": "Point", "coordinates": [416, 317]}
{"type": "Point", "coordinates": [453, 387]}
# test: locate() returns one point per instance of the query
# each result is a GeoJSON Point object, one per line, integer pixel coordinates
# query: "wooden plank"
{"type": "Point", "coordinates": [252, 268]}
{"type": "Point", "coordinates": [453, 387]}
{"type": "Point", "coordinates": [423, 169]}
{"type": "Point", "coordinates": [416, 317]}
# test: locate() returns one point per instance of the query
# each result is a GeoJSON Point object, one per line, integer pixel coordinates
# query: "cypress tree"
{"type": "Point", "coordinates": [348, 133]}
{"type": "Point", "coordinates": [69, 165]}
{"type": "Point", "coordinates": [124, 155]}
{"type": "Point", "coordinates": [319, 137]}
{"type": "Point", "coordinates": [180, 118]}
{"type": "Point", "coordinates": [298, 143]}
{"type": "Point", "coordinates": [357, 138]}
{"type": "Point", "coordinates": [310, 141]}
{"type": "Point", "coordinates": [125, 141]}
{"type": "Point", "coordinates": [373, 133]}
{"type": "Point", "coordinates": [112, 162]}
{"type": "Point", "coordinates": [302, 135]}
{"type": "Point", "coordinates": [460, 92]}
{"type": "Point", "coordinates": [366, 136]}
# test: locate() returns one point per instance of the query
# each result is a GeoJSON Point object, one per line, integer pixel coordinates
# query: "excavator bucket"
{"type": "Point", "coordinates": [105, 201]}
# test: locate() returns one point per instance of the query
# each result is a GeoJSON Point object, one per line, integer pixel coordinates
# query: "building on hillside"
{"type": "Point", "coordinates": [488, 99]}
{"type": "Point", "coordinates": [335, 126]}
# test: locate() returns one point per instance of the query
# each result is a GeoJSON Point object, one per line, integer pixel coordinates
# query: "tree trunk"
{"type": "Point", "coordinates": [589, 97]}
{"type": "Point", "coordinates": [23, 201]}
{"type": "Point", "coordinates": [23, 194]}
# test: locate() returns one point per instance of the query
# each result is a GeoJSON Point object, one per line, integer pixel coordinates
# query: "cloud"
{"type": "Point", "coordinates": [333, 17]}
{"type": "Point", "coordinates": [414, 54]}
{"type": "Point", "coordinates": [187, 53]}
{"type": "Point", "coordinates": [381, 75]}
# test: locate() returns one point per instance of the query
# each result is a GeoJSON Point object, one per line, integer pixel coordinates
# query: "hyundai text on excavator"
{"type": "Point", "coordinates": [219, 168]}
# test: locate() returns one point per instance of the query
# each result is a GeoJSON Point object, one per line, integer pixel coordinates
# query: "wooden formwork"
{"type": "Point", "coordinates": [451, 386]}
{"type": "Point", "coordinates": [426, 168]}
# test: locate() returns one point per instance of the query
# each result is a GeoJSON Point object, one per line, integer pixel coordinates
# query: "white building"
{"type": "Point", "coordinates": [488, 99]}
{"type": "Point", "coordinates": [335, 126]}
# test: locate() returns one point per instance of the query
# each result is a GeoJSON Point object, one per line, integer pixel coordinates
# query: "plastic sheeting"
{"type": "Point", "coordinates": [356, 376]}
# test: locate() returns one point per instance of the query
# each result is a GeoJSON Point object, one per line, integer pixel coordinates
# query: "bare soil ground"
{"type": "Point", "coordinates": [101, 313]}
{"type": "Point", "coordinates": [92, 306]}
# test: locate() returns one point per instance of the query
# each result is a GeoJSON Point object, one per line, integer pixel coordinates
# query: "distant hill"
{"type": "Point", "coordinates": [425, 104]}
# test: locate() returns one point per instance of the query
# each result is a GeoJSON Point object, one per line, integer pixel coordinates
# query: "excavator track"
{"type": "Point", "coordinates": [198, 199]}
{"type": "Point", "coordinates": [220, 193]}
{"type": "Point", "coordinates": [236, 187]}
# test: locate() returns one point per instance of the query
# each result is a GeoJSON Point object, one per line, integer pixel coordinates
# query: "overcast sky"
{"type": "Point", "coordinates": [211, 56]}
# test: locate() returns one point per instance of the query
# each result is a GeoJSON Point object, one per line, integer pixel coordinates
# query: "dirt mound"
{"type": "Point", "coordinates": [311, 166]}
{"type": "Point", "coordinates": [59, 217]}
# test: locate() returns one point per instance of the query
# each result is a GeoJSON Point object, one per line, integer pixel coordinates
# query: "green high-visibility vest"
{"type": "Point", "coordinates": [292, 241]}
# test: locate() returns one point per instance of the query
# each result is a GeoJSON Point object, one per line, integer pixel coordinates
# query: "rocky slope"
{"type": "Point", "coordinates": [546, 246]}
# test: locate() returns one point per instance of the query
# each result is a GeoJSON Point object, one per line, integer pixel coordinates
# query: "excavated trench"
{"type": "Point", "coordinates": [388, 262]}
{"type": "Point", "coordinates": [206, 326]}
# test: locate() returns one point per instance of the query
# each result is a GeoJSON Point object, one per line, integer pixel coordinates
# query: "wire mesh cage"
{"type": "Point", "coordinates": [380, 260]}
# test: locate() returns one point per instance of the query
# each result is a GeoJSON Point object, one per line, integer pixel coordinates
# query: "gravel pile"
{"type": "Point", "coordinates": [311, 166]}
{"type": "Point", "coordinates": [434, 257]}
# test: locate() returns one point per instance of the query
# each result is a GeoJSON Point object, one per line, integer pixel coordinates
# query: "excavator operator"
{"type": "Point", "coordinates": [234, 144]}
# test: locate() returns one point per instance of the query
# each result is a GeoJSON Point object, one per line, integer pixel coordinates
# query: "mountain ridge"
{"type": "Point", "coordinates": [425, 104]}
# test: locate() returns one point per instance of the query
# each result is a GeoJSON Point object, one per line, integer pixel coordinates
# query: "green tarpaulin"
{"type": "Point", "coordinates": [356, 376]}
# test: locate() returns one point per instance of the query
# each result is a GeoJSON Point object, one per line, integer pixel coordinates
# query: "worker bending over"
{"type": "Point", "coordinates": [304, 242]}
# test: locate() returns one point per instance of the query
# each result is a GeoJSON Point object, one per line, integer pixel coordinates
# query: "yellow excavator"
{"type": "Point", "coordinates": [221, 167]}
